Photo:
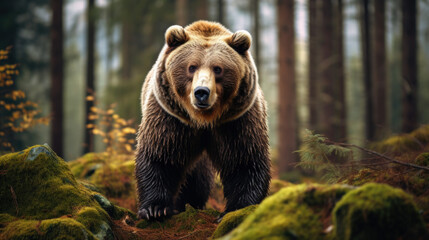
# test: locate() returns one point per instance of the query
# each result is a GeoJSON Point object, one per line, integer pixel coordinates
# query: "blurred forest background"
{"type": "Point", "coordinates": [71, 71]}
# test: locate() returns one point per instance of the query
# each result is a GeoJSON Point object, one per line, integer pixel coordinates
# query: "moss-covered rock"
{"type": "Point", "coordinates": [113, 176]}
{"type": "Point", "coordinates": [40, 199]}
{"type": "Point", "coordinates": [413, 141]}
{"type": "Point", "coordinates": [232, 220]}
{"type": "Point", "coordinates": [374, 211]}
{"type": "Point", "coordinates": [58, 228]}
{"type": "Point", "coordinates": [295, 212]}
{"type": "Point", "coordinates": [276, 185]}
{"type": "Point", "coordinates": [378, 211]}
{"type": "Point", "coordinates": [411, 180]}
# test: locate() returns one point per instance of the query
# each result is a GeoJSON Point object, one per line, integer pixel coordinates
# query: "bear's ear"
{"type": "Point", "coordinates": [240, 41]}
{"type": "Point", "coordinates": [176, 36]}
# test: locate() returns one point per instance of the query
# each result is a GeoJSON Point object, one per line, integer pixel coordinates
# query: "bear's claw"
{"type": "Point", "coordinates": [155, 212]}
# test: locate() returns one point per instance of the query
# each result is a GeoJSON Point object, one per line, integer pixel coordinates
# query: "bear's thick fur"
{"type": "Point", "coordinates": [202, 109]}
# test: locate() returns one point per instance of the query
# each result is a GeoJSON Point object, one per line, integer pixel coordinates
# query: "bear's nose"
{"type": "Point", "coordinates": [202, 95]}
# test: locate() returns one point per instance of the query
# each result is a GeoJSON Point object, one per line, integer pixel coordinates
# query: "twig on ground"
{"type": "Point", "coordinates": [377, 154]}
{"type": "Point", "coordinates": [191, 233]}
{"type": "Point", "coordinates": [14, 199]}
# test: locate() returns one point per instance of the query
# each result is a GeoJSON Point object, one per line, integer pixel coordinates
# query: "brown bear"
{"type": "Point", "coordinates": [202, 109]}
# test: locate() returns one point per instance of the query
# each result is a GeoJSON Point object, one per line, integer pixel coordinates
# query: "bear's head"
{"type": "Point", "coordinates": [205, 74]}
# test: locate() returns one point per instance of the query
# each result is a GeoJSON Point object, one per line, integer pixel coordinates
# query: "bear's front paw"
{"type": "Point", "coordinates": [155, 212]}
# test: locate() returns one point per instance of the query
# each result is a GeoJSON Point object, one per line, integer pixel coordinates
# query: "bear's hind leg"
{"type": "Point", "coordinates": [196, 188]}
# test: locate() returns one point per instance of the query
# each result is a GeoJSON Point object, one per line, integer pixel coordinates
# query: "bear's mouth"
{"type": "Point", "coordinates": [202, 106]}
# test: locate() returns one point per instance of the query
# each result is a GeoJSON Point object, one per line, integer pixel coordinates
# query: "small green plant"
{"type": "Point", "coordinates": [317, 155]}
{"type": "Point", "coordinates": [336, 161]}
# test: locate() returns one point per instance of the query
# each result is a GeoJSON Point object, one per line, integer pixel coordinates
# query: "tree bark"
{"type": "Point", "coordinates": [327, 113]}
{"type": "Point", "coordinates": [202, 10]}
{"type": "Point", "coordinates": [341, 120]}
{"type": "Point", "coordinates": [181, 12]}
{"type": "Point", "coordinates": [256, 42]}
{"type": "Point", "coordinates": [221, 12]}
{"type": "Point", "coordinates": [366, 61]}
{"type": "Point", "coordinates": [379, 93]}
{"type": "Point", "coordinates": [57, 76]}
{"type": "Point", "coordinates": [127, 50]}
{"type": "Point", "coordinates": [287, 121]}
{"type": "Point", "coordinates": [409, 66]}
{"type": "Point", "coordinates": [312, 64]}
{"type": "Point", "coordinates": [90, 76]}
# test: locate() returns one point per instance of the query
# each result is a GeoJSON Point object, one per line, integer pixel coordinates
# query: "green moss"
{"type": "Point", "coordinates": [88, 185]}
{"type": "Point", "coordinates": [40, 198]}
{"type": "Point", "coordinates": [187, 219]}
{"type": "Point", "coordinates": [276, 185]}
{"type": "Point", "coordinates": [121, 212]}
{"type": "Point", "coordinates": [423, 159]}
{"type": "Point", "coordinates": [232, 220]}
{"type": "Point", "coordinates": [5, 218]}
{"type": "Point", "coordinates": [86, 165]}
{"type": "Point", "coordinates": [92, 219]}
{"type": "Point", "coordinates": [295, 212]}
{"type": "Point", "coordinates": [116, 179]}
{"type": "Point", "coordinates": [60, 228]}
{"type": "Point", "coordinates": [377, 211]}
{"type": "Point", "coordinates": [403, 143]}
{"type": "Point", "coordinates": [210, 212]}
{"type": "Point", "coordinates": [41, 188]}
{"type": "Point", "coordinates": [113, 176]}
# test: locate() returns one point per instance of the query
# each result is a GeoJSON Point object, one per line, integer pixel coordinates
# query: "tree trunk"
{"type": "Point", "coordinates": [409, 66]}
{"type": "Point", "coordinates": [287, 121]}
{"type": "Point", "coordinates": [366, 61]}
{"type": "Point", "coordinates": [202, 10]}
{"type": "Point", "coordinates": [327, 113]}
{"type": "Point", "coordinates": [127, 50]}
{"type": "Point", "coordinates": [181, 12]}
{"type": "Point", "coordinates": [90, 91]}
{"type": "Point", "coordinates": [341, 121]}
{"type": "Point", "coordinates": [57, 76]}
{"type": "Point", "coordinates": [221, 11]}
{"type": "Point", "coordinates": [255, 42]}
{"type": "Point", "coordinates": [379, 93]}
{"type": "Point", "coordinates": [312, 64]}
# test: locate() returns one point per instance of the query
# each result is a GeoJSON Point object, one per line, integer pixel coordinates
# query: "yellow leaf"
{"type": "Point", "coordinates": [92, 117]}
{"type": "Point", "coordinates": [128, 147]}
{"type": "Point", "coordinates": [129, 130]}
{"type": "Point", "coordinates": [89, 98]}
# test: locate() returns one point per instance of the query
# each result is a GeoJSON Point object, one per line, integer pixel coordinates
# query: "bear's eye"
{"type": "Point", "coordinates": [217, 70]}
{"type": "Point", "coordinates": [192, 68]}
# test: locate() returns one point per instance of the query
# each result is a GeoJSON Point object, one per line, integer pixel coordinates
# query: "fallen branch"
{"type": "Point", "coordinates": [377, 154]}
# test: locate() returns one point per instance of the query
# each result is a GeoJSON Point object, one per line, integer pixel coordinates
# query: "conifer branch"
{"type": "Point", "coordinates": [376, 154]}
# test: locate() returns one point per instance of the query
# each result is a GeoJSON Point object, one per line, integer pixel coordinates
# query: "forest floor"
{"type": "Point", "coordinates": [93, 197]}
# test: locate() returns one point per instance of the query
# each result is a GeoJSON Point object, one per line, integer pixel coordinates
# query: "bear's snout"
{"type": "Point", "coordinates": [202, 95]}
